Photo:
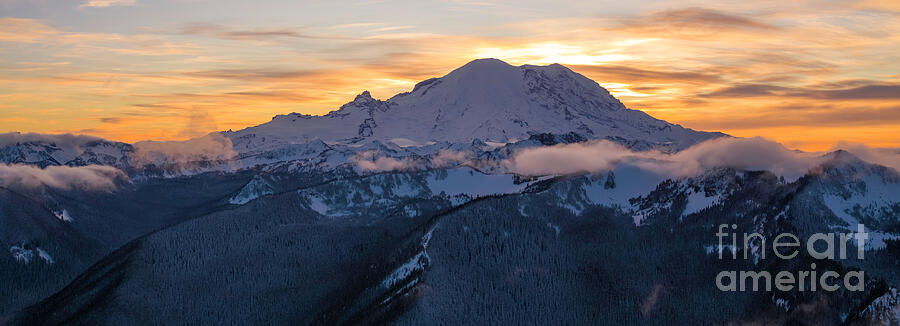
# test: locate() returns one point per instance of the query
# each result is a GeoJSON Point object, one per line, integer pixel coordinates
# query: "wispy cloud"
{"type": "Point", "coordinates": [356, 25]}
{"type": "Point", "coordinates": [699, 24]}
{"type": "Point", "coordinates": [739, 153]}
{"type": "Point", "coordinates": [393, 28]}
{"type": "Point", "coordinates": [111, 120]}
{"type": "Point", "coordinates": [694, 19]}
{"type": "Point", "coordinates": [212, 147]}
{"type": "Point", "coordinates": [252, 34]}
{"type": "Point", "coordinates": [91, 177]}
{"type": "Point", "coordinates": [640, 75]}
{"type": "Point", "coordinates": [44, 64]}
{"type": "Point", "coordinates": [24, 30]}
{"type": "Point", "coordinates": [237, 34]}
{"type": "Point", "coordinates": [107, 3]}
{"type": "Point", "coordinates": [374, 161]}
{"type": "Point", "coordinates": [877, 91]}
{"type": "Point", "coordinates": [255, 74]}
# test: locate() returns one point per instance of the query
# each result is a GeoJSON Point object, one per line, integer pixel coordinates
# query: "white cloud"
{"type": "Point", "coordinates": [741, 153]}
{"type": "Point", "coordinates": [755, 154]}
{"type": "Point", "coordinates": [373, 161]}
{"type": "Point", "coordinates": [568, 158]}
{"type": "Point", "coordinates": [212, 147]}
{"type": "Point", "coordinates": [91, 177]}
{"type": "Point", "coordinates": [447, 158]}
{"type": "Point", "coordinates": [744, 153]}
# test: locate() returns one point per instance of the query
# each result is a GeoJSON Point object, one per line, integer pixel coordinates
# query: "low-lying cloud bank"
{"type": "Point", "coordinates": [90, 177]}
{"type": "Point", "coordinates": [755, 154]}
{"type": "Point", "coordinates": [373, 161]}
{"type": "Point", "coordinates": [212, 147]}
{"type": "Point", "coordinates": [741, 153]}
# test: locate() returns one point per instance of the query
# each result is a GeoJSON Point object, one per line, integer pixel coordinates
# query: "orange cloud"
{"type": "Point", "coordinates": [695, 23]}
{"type": "Point", "coordinates": [24, 30]}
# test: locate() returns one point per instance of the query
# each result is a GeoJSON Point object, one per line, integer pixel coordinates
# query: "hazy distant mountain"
{"type": "Point", "coordinates": [47, 150]}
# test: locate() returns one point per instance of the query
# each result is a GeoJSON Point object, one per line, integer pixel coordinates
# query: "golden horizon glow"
{"type": "Point", "coordinates": [807, 74]}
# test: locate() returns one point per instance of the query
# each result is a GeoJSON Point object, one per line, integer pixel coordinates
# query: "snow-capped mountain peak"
{"type": "Point", "coordinates": [364, 101]}
{"type": "Point", "coordinates": [486, 99]}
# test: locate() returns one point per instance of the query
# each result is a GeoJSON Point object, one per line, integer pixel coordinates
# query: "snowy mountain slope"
{"type": "Point", "coordinates": [39, 253]}
{"type": "Point", "coordinates": [48, 236]}
{"type": "Point", "coordinates": [854, 192]}
{"type": "Point", "coordinates": [530, 249]}
{"type": "Point", "coordinates": [268, 251]}
{"type": "Point", "coordinates": [486, 99]}
{"type": "Point", "coordinates": [45, 150]}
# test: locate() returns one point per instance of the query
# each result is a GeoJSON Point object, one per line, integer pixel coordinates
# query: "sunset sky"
{"type": "Point", "coordinates": [805, 73]}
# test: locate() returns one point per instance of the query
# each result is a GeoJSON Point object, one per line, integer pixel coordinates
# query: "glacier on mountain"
{"type": "Point", "coordinates": [486, 99]}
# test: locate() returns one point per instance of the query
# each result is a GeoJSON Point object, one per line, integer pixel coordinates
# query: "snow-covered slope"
{"type": "Point", "coordinates": [486, 99]}
{"type": "Point", "coordinates": [858, 192]}
{"type": "Point", "coordinates": [45, 150]}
